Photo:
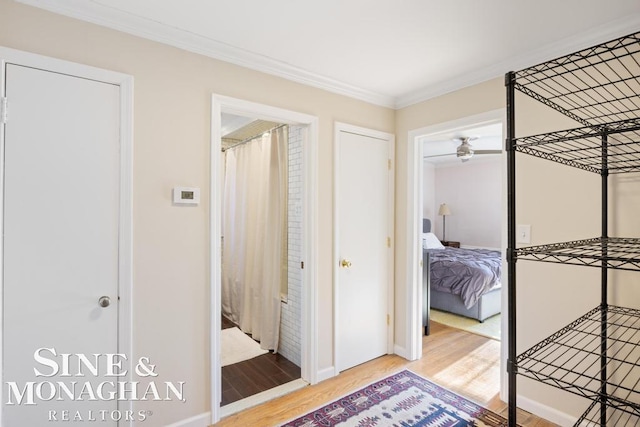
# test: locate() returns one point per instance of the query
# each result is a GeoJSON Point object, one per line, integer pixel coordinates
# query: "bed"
{"type": "Point", "coordinates": [461, 281]}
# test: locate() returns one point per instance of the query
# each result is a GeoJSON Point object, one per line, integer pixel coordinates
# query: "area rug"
{"type": "Point", "coordinates": [236, 346]}
{"type": "Point", "coordinates": [490, 328]}
{"type": "Point", "coordinates": [401, 400]}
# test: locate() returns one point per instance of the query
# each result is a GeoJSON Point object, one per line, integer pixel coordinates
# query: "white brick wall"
{"type": "Point", "coordinates": [291, 320]}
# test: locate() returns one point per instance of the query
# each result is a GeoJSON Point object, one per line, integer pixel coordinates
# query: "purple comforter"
{"type": "Point", "coordinates": [469, 273]}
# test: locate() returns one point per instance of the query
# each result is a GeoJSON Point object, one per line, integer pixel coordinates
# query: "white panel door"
{"type": "Point", "coordinates": [60, 247]}
{"type": "Point", "coordinates": [364, 204]}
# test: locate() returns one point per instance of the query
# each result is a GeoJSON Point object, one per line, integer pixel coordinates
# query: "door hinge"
{"type": "Point", "coordinates": [302, 265]}
{"type": "Point", "coordinates": [389, 163]}
{"type": "Point", "coordinates": [421, 263]}
{"type": "Point", "coordinates": [3, 110]}
{"type": "Point", "coordinates": [388, 319]}
{"type": "Point", "coordinates": [388, 242]}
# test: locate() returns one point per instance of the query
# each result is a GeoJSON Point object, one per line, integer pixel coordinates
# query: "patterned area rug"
{"type": "Point", "coordinates": [401, 400]}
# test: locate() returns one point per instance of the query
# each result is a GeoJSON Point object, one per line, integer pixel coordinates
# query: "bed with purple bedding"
{"type": "Point", "coordinates": [469, 273]}
{"type": "Point", "coordinates": [462, 281]}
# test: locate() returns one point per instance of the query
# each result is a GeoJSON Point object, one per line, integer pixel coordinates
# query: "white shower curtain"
{"type": "Point", "coordinates": [254, 235]}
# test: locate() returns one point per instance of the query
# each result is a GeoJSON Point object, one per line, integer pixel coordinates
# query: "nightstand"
{"type": "Point", "coordinates": [451, 244]}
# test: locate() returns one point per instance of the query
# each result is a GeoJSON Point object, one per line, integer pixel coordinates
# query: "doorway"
{"type": "Point", "coordinates": [462, 203]}
{"type": "Point", "coordinates": [261, 255]}
{"type": "Point", "coordinates": [306, 266]}
{"type": "Point", "coordinates": [414, 220]}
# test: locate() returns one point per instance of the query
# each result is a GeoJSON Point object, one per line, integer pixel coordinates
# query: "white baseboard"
{"type": "Point", "coordinates": [326, 373]}
{"type": "Point", "coordinates": [546, 412]}
{"type": "Point", "coordinates": [202, 420]}
{"type": "Point", "coordinates": [401, 351]}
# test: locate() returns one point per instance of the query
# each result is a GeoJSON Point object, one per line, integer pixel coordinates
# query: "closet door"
{"type": "Point", "coordinates": [60, 248]}
{"type": "Point", "coordinates": [364, 228]}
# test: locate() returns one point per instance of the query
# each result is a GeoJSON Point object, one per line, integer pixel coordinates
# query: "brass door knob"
{"type": "Point", "coordinates": [345, 263]}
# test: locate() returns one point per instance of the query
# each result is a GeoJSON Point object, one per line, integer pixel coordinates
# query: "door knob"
{"type": "Point", "coordinates": [104, 301]}
{"type": "Point", "coordinates": [345, 263]}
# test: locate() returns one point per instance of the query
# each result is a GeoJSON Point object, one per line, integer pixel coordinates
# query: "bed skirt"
{"type": "Point", "coordinates": [488, 305]}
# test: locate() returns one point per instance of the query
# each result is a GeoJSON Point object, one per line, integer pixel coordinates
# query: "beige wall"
{"type": "Point", "coordinates": [559, 202]}
{"type": "Point", "coordinates": [171, 147]}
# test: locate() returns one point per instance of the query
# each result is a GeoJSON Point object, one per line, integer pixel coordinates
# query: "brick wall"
{"type": "Point", "coordinates": [290, 324]}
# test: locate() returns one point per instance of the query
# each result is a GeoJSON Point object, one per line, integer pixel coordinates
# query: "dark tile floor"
{"type": "Point", "coordinates": [253, 376]}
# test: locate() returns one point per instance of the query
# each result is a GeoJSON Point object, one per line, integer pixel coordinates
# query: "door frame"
{"type": "Point", "coordinates": [390, 138]}
{"type": "Point", "coordinates": [414, 227]}
{"type": "Point", "coordinates": [125, 232]}
{"type": "Point", "coordinates": [309, 338]}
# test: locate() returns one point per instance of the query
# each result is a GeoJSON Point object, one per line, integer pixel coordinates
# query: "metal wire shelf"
{"type": "Point", "coordinates": [594, 86]}
{"type": "Point", "coordinates": [571, 359]}
{"type": "Point", "coordinates": [618, 253]}
{"type": "Point", "coordinates": [598, 355]}
{"type": "Point", "coordinates": [583, 147]}
{"type": "Point", "coordinates": [614, 417]}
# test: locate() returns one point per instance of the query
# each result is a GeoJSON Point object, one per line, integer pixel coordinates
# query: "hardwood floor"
{"type": "Point", "coordinates": [465, 363]}
{"type": "Point", "coordinates": [253, 376]}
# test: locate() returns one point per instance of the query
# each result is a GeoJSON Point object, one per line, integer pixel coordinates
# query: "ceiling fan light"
{"type": "Point", "coordinates": [464, 152]}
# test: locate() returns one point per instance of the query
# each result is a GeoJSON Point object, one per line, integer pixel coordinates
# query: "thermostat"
{"type": "Point", "coordinates": [186, 195]}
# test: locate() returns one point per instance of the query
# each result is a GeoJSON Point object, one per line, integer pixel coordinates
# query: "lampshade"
{"type": "Point", "coordinates": [444, 210]}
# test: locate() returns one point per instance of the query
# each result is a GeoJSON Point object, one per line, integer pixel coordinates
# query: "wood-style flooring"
{"type": "Point", "coordinates": [463, 362]}
{"type": "Point", "coordinates": [256, 375]}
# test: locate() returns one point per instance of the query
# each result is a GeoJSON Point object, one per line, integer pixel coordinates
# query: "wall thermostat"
{"type": "Point", "coordinates": [186, 196]}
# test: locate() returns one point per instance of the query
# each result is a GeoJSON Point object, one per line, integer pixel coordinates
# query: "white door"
{"type": "Point", "coordinates": [60, 248]}
{"type": "Point", "coordinates": [364, 235]}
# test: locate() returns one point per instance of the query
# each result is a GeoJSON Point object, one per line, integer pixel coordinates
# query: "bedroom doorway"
{"type": "Point", "coordinates": [462, 189]}
{"type": "Point", "coordinates": [449, 145]}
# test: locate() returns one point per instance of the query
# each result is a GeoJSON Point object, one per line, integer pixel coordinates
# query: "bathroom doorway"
{"type": "Point", "coordinates": [261, 255]}
{"type": "Point", "coordinates": [300, 321]}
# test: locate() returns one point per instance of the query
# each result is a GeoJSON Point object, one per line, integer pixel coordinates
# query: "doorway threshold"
{"type": "Point", "coordinates": [262, 397]}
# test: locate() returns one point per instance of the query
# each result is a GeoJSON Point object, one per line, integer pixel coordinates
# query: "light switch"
{"type": "Point", "coordinates": [523, 234]}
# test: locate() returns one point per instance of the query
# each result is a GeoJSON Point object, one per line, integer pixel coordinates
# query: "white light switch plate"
{"type": "Point", "coordinates": [523, 233]}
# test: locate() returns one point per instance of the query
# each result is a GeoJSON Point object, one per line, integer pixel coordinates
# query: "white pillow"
{"type": "Point", "coordinates": [430, 241]}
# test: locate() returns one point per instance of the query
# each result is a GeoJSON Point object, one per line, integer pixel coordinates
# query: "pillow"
{"type": "Point", "coordinates": [430, 241]}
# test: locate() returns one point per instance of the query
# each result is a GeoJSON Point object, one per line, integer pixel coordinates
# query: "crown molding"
{"type": "Point", "coordinates": [596, 35]}
{"type": "Point", "coordinates": [119, 20]}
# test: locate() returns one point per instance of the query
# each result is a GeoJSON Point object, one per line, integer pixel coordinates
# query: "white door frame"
{"type": "Point", "coordinates": [344, 127]}
{"type": "Point", "coordinates": [414, 227]}
{"type": "Point", "coordinates": [125, 253]}
{"type": "Point", "coordinates": [309, 341]}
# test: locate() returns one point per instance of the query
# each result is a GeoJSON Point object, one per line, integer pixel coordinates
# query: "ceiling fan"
{"type": "Point", "coordinates": [465, 150]}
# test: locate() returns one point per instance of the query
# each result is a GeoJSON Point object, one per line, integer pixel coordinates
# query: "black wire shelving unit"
{"type": "Point", "coordinates": [618, 253]}
{"type": "Point", "coordinates": [597, 356]}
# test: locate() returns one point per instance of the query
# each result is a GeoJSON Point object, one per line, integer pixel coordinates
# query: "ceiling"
{"type": "Point", "coordinates": [238, 129]}
{"type": "Point", "coordinates": [387, 52]}
{"type": "Point", "coordinates": [443, 145]}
